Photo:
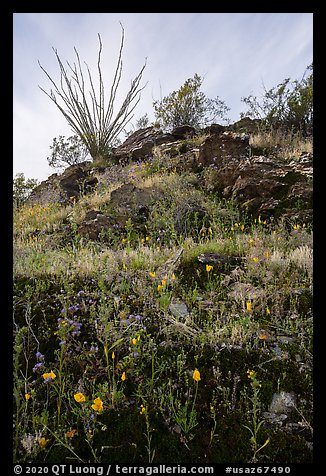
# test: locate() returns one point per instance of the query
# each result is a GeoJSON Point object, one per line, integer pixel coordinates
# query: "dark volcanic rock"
{"type": "Point", "coordinates": [220, 149]}
{"type": "Point", "coordinates": [73, 182]}
{"type": "Point", "coordinates": [183, 132]}
{"type": "Point", "coordinates": [140, 144]}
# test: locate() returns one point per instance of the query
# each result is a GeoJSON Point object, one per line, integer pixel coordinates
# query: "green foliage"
{"type": "Point", "coordinates": [189, 106]}
{"type": "Point", "coordinates": [288, 106]}
{"type": "Point", "coordinates": [22, 188]}
{"type": "Point", "coordinates": [71, 151]}
{"type": "Point", "coordinates": [109, 366]}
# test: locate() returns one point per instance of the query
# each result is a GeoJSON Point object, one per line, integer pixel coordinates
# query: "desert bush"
{"type": "Point", "coordinates": [189, 106]}
{"type": "Point", "coordinates": [287, 106]}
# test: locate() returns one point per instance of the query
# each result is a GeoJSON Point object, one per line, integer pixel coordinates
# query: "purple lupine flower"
{"type": "Point", "coordinates": [37, 366]}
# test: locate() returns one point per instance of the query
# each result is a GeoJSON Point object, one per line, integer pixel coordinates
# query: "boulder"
{"type": "Point", "coordinates": [75, 181]}
{"type": "Point", "coordinates": [140, 144]}
{"type": "Point", "coordinates": [215, 129]}
{"type": "Point", "coordinates": [183, 132]}
{"type": "Point", "coordinates": [96, 224]}
{"type": "Point", "coordinates": [127, 203]}
{"type": "Point", "coordinates": [222, 149]}
{"type": "Point", "coordinates": [247, 125]}
{"type": "Point", "coordinates": [264, 186]}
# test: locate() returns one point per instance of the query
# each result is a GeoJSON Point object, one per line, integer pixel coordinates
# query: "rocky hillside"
{"type": "Point", "coordinates": [163, 303]}
{"type": "Point", "coordinates": [224, 164]}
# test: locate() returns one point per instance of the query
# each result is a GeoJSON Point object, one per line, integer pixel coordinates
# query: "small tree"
{"type": "Point", "coordinates": [22, 189]}
{"type": "Point", "coordinates": [67, 152]}
{"type": "Point", "coordinates": [287, 106]}
{"type": "Point", "coordinates": [189, 106]}
{"type": "Point", "coordinates": [86, 111]}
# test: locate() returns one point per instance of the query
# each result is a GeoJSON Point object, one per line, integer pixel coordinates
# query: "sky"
{"type": "Point", "coordinates": [236, 54]}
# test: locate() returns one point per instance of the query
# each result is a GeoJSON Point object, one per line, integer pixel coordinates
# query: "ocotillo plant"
{"type": "Point", "coordinates": [91, 117]}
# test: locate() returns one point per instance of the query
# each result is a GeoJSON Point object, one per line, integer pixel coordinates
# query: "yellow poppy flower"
{"type": "Point", "coordinates": [43, 442]}
{"type": "Point", "coordinates": [47, 375]}
{"type": "Point", "coordinates": [71, 433]}
{"type": "Point", "coordinates": [79, 397]}
{"type": "Point", "coordinates": [123, 376]}
{"type": "Point", "coordinates": [97, 405]}
{"type": "Point", "coordinates": [209, 268]}
{"type": "Point", "coordinates": [196, 375]}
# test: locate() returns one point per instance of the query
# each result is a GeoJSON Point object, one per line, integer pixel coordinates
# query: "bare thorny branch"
{"type": "Point", "coordinates": [89, 118]}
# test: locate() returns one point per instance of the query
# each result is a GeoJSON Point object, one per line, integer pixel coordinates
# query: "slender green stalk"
{"type": "Point", "coordinates": [89, 116]}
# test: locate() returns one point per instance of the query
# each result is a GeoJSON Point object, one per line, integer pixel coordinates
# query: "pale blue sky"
{"type": "Point", "coordinates": [235, 53]}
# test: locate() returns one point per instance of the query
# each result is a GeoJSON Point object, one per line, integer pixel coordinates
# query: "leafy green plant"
{"type": "Point", "coordinates": [185, 414]}
{"type": "Point", "coordinates": [256, 424]}
{"type": "Point", "coordinates": [287, 106]}
{"type": "Point", "coordinates": [22, 188]}
{"type": "Point", "coordinates": [65, 152]}
{"type": "Point", "coordinates": [189, 106]}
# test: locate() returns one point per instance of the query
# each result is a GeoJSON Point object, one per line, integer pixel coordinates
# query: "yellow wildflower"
{"type": "Point", "coordinates": [123, 376]}
{"type": "Point", "coordinates": [263, 337]}
{"type": "Point", "coordinates": [48, 375]}
{"type": "Point", "coordinates": [27, 396]}
{"type": "Point", "coordinates": [152, 274]}
{"type": "Point", "coordinates": [159, 287]}
{"type": "Point", "coordinates": [173, 277]}
{"type": "Point", "coordinates": [163, 282]}
{"type": "Point", "coordinates": [71, 433]}
{"type": "Point", "coordinates": [97, 405]}
{"type": "Point", "coordinates": [134, 341]}
{"type": "Point", "coordinates": [196, 375]}
{"type": "Point", "coordinates": [142, 409]}
{"type": "Point", "coordinates": [248, 306]}
{"type": "Point", "coordinates": [251, 373]}
{"type": "Point", "coordinates": [255, 259]}
{"type": "Point", "coordinates": [79, 397]}
{"type": "Point", "coordinates": [113, 355]}
{"type": "Point", "coordinates": [43, 442]}
{"type": "Point", "coordinates": [209, 268]}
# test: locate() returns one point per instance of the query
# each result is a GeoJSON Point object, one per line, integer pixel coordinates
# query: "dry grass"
{"type": "Point", "coordinates": [288, 145]}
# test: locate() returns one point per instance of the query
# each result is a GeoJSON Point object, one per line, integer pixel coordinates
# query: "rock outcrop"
{"type": "Point", "coordinates": [73, 182]}
{"type": "Point", "coordinates": [140, 144]}
{"type": "Point", "coordinates": [128, 206]}
{"type": "Point", "coordinates": [265, 186]}
{"type": "Point", "coordinates": [222, 160]}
